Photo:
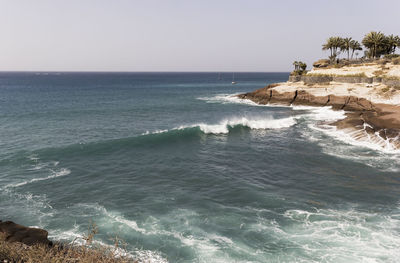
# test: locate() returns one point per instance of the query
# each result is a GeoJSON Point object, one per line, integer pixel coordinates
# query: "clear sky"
{"type": "Point", "coordinates": [180, 35]}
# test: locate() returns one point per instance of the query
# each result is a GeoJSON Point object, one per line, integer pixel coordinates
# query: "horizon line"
{"type": "Point", "coordinates": [104, 71]}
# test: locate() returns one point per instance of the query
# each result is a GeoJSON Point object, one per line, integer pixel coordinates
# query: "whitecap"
{"type": "Point", "coordinates": [114, 216]}
{"type": "Point", "coordinates": [61, 172]}
{"type": "Point", "coordinates": [223, 126]}
{"type": "Point", "coordinates": [154, 132]}
{"type": "Point", "coordinates": [260, 123]}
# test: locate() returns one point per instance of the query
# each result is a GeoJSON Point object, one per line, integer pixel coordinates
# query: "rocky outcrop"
{"type": "Point", "coordinates": [13, 232]}
{"type": "Point", "coordinates": [295, 78]}
{"type": "Point", "coordinates": [270, 95]}
{"type": "Point", "coordinates": [322, 63]}
{"type": "Point", "coordinates": [382, 119]}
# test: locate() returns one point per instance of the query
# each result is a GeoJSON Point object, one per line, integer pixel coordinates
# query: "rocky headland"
{"type": "Point", "coordinates": [369, 94]}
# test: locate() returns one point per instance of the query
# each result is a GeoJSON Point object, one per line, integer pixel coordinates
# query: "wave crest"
{"type": "Point", "coordinates": [62, 172]}
{"type": "Point", "coordinates": [225, 126]}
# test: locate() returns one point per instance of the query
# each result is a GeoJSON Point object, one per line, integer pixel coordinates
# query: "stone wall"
{"type": "Point", "coordinates": [395, 83]}
{"type": "Point", "coordinates": [343, 79]}
{"type": "Point", "coordinates": [316, 79]}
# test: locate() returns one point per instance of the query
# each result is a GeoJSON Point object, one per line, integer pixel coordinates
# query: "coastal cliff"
{"type": "Point", "coordinates": [372, 104]}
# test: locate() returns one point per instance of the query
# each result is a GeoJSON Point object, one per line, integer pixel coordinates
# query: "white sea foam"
{"type": "Point", "coordinates": [223, 126]}
{"type": "Point", "coordinates": [227, 99]}
{"type": "Point", "coordinates": [359, 138]}
{"type": "Point", "coordinates": [154, 132]}
{"type": "Point", "coordinates": [74, 236]}
{"type": "Point", "coordinates": [353, 143]}
{"type": "Point", "coordinates": [38, 166]}
{"type": "Point", "coordinates": [356, 146]}
{"type": "Point", "coordinates": [326, 114]}
{"type": "Point", "coordinates": [268, 123]}
{"type": "Point", "coordinates": [234, 99]}
{"type": "Point", "coordinates": [349, 235]}
{"type": "Point", "coordinates": [54, 174]}
{"type": "Point", "coordinates": [386, 154]}
{"type": "Point", "coordinates": [208, 247]}
{"type": "Point", "coordinates": [322, 235]}
{"type": "Point", "coordinates": [110, 219]}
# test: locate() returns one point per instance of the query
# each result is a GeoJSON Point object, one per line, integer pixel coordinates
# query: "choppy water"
{"type": "Point", "coordinates": [184, 172]}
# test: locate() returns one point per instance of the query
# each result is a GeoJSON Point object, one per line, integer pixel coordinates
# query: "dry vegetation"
{"type": "Point", "coordinates": [16, 252]}
{"type": "Point", "coordinates": [336, 75]}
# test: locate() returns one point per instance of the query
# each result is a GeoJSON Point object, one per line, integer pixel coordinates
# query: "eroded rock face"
{"type": "Point", "coordinates": [305, 98]}
{"type": "Point", "coordinates": [301, 97]}
{"type": "Point", "coordinates": [284, 98]}
{"type": "Point", "coordinates": [18, 233]}
{"type": "Point", "coordinates": [382, 120]}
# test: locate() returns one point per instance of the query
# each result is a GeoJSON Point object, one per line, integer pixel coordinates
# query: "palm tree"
{"type": "Point", "coordinates": [303, 66]}
{"type": "Point", "coordinates": [392, 42]}
{"type": "Point", "coordinates": [354, 45]}
{"type": "Point", "coordinates": [296, 65]}
{"type": "Point", "coordinates": [299, 67]}
{"type": "Point", "coordinates": [328, 45]}
{"type": "Point", "coordinates": [374, 41]}
{"type": "Point", "coordinates": [346, 46]}
{"type": "Point", "coordinates": [333, 44]}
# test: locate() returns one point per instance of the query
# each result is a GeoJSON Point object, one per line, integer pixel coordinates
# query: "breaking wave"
{"type": "Point", "coordinates": [326, 115]}
{"type": "Point", "coordinates": [225, 126]}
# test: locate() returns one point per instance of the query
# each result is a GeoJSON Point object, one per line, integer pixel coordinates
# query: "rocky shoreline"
{"type": "Point", "coordinates": [19, 243]}
{"type": "Point", "coordinates": [13, 232]}
{"type": "Point", "coordinates": [366, 119]}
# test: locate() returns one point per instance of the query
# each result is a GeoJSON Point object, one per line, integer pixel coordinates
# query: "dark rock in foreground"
{"type": "Point", "coordinates": [18, 233]}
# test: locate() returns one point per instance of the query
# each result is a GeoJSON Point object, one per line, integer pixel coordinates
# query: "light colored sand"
{"type": "Point", "coordinates": [394, 71]}
{"type": "Point", "coordinates": [372, 92]}
{"type": "Point", "coordinates": [370, 70]}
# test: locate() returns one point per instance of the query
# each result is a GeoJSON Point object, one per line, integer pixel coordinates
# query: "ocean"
{"type": "Point", "coordinates": [182, 171]}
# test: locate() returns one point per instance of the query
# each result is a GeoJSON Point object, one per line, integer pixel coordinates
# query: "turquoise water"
{"type": "Point", "coordinates": [184, 172]}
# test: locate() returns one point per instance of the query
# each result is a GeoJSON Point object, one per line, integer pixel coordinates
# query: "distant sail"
{"type": "Point", "coordinates": [233, 79]}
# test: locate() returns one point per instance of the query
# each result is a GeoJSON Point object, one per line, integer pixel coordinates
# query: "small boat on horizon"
{"type": "Point", "coordinates": [233, 79]}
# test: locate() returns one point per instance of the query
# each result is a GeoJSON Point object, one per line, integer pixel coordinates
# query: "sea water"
{"type": "Point", "coordinates": [183, 171]}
